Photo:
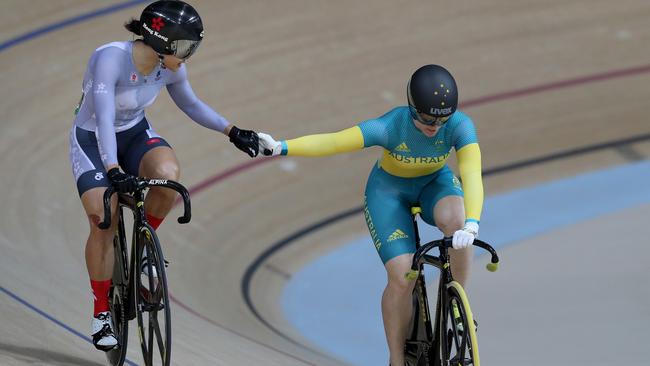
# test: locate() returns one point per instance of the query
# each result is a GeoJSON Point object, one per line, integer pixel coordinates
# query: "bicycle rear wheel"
{"type": "Point", "coordinates": [152, 296]}
{"type": "Point", "coordinates": [116, 301]}
{"type": "Point", "coordinates": [460, 345]}
{"type": "Point", "coordinates": [117, 355]}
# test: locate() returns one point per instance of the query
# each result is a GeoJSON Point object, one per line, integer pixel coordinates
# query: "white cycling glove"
{"type": "Point", "coordinates": [465, 237]}
{"type": "Point", "coordinates": [268, 146]}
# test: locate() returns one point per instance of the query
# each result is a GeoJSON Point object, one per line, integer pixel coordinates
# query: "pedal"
{"type": "Point", "coordinates": [457, 361]}
{"type": "Point", "coordinates": [149, 307]}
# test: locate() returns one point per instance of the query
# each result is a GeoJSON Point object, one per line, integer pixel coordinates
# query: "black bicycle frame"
{"type": "Point", "coordinates": [424, 339]}
{"type": "Point", "coordinates": [428, 342]}
{"type": "Point", "coordinates": [135, 202]}
{"type": "Point", "coordinates": [139, 220]}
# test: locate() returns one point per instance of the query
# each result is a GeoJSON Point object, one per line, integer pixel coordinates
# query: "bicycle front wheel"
{"type": "Point", "coordinates": [152, 296]}
{"type": "Point", "coordinates": [460, 347]}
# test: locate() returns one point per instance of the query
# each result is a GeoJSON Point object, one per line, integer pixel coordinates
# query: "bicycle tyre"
{"type": "Point", "coordinates": [117, 355]}
{"type": "Point", "coordinates": [151, 304]}
{"type": "Point", "coordinates": [116, 301]}
{"type": "Point", "coordinates": [460, 332]}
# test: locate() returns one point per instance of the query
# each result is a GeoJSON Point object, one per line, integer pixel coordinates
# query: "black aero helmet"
{"type": "Point", "coordinates": [171, 28]}
{"type": "Point", "coordinates": [432, 91]}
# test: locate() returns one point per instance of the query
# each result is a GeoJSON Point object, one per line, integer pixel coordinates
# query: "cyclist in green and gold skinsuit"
{"type": "Point", "coordinates": [417, 140]}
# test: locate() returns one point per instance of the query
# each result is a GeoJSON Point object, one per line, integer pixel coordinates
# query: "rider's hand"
{"type": "Point", "coordinates": [465, 237]}
{"type": "Point", "coordinates": [269, 146]}
{"type": "Point", "coordinates": [123, 182]}
{"type": "Point", "coordinates": [245, 140]}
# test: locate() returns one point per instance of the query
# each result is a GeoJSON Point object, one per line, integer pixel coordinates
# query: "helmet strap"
{"type": "Point", "coordinates": [160, 60]}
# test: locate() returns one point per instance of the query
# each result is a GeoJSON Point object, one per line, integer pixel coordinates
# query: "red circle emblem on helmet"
{"type": "Point", "coordinates": [157, 23]}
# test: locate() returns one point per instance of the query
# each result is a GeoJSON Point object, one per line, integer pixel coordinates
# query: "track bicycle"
{"type": "Point", "coordinates": [452, 339]}
{"type": "Point", "coordinates": [139, 288]}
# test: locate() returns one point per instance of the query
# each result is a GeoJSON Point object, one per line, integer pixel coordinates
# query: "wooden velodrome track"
{"type": "Point", "coordinates": [538, 78]}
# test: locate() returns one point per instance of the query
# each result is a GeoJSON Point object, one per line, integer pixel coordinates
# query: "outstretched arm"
{"type": "Point", "coordinates": [184, 97]}
{"type": "Point", "coordinates": [350, 139]}
{"type": "Point", "coordinates": [325, 144]}
{"type": "Point", "coordinates": [373, 132]}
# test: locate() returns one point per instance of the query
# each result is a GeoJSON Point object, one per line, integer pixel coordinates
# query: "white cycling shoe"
{"type": "Point", "coordinates": [103, 335]}
{"type": "Point", "coordinates": [145, 264]}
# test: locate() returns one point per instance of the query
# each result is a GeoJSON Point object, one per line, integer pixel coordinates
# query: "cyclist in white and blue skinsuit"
{"type": "Point", "coordinates": [110, 131]}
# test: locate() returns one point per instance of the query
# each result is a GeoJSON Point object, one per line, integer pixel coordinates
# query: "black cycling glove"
{"type": "Point", "coordinates": [122, 182]}
{"type": "Point", "coordinates": [245, 140]}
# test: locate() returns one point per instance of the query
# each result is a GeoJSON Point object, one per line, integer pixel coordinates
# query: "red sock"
{"type": "Point", "coordinates": [100, 291]}
{"type": "Point", "coordinates": [154, 221]}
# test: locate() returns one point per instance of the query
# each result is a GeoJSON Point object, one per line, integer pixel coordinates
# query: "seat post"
{"type": "Point", "coordinates": [415, 211]}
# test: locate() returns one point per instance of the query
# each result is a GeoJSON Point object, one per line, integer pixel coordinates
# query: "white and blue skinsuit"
{"type": "Point", "coordinates": [110, 126]}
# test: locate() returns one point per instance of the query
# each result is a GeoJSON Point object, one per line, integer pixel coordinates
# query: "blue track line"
{"type": "Point", "coordinates": [53, 319]}
{"type": "Point", "coordinates": [24, 38]}
{"type": "Point", "coordinates": [327, 300]}
{"type": "Point", "coordinates": [67, 22]}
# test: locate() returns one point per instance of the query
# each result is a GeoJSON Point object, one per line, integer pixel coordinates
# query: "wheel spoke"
{"type": "Point", "coordinates": [154, 305]}
{"type": "Point", "coordinates": [117, 355]}
{"type": "Point", "coordinates": [150, 339]}
{"type": "Point", "coordinates": [159, 338]}
{"type": "Point", "coordinates": [460, 331]}
{"type": "Point", "coordinates": [149, 268]}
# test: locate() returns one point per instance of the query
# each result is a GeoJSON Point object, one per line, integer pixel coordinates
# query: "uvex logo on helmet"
{"type": "Point", "coordinates": [440, 112]}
